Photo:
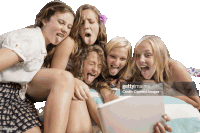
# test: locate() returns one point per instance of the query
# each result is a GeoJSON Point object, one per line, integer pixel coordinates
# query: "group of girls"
{"type": "Point", "coordinates": [61, 57]}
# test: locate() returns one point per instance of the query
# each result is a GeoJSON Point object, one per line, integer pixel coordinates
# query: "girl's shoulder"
{"type": "Point", "coordinates": [69, 41]}
{"type": "Point", "coordinates": [179, 71]}
{"type": "Point", "coordinates": [175, 65]}
{"type": "Point", "coordinates": [69, 44]}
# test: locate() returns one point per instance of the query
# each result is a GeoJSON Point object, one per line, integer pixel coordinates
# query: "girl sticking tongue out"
{"type": "Point", "coordinates": [145, 59]}
{"type": "Point", "coordinates": [118, 51]}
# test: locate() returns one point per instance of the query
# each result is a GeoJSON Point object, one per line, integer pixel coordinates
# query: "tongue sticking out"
{"type": "Point", "coordinates": [58, 39]}
{"type": "Point", "coordinates": [144, 70]}
{"type": "Point", "coordinates": [113, 71]}
{"type": "Point", "coordinates": [88, 39]}
{"type": "Point", "coordinates": [90, 78]}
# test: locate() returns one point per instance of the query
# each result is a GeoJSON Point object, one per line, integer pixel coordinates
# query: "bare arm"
{"type": "Point", "coordinates": [108, 95]}
{"type": "Point", "coordinates": [180, 74]}
{"type": "Point", "coordinates": [8, 58]}
{"type": "Point", "coordinates": [92, 107]}
{"type": "Point", "coordinates": [62, 54]}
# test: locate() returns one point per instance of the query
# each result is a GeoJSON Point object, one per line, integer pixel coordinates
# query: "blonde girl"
{"type": "Point", "coordinates": [118, 58]}
{"type": "Point", "coordinates": [118, 53]}
{"type": "Point", "coordinates": [152, 61]}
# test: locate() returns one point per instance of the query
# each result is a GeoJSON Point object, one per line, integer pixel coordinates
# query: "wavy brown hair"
{"type": "Point", "coordinates": [77, 70]}
{"type": "Point", "coordinates": [101, 37]}
{"type": "Point", "coordinates": [45, 14]}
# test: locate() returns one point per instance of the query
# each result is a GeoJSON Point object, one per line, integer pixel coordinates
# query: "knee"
{"type": "Point", "coordinates": [62, 76]}
{"type": "Point", "coordinates": [67, 76]}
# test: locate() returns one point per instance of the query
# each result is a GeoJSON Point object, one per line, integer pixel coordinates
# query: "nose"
{"type": "Point", "coordinates": [116, 62]}
{"type": "Point", "coordinates": [86, 25]}
{"type": "Point", "coordinates": [142, 59]}
{"type": "Point", "coordinates": [95, 68]}
{"type": "Point", "coordinates": [64, 29]}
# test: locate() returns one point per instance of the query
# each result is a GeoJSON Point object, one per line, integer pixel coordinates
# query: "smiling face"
{"type": "Point", "coordinates": [91, 67]}
{"type": "Point", "coordinates": [116, 60]}
{"type": "Point", "coordinates": [57, 28]}
{"type": "Point", "coordinates": [89, 29]}
{"type": "Point", "coordinates": [145, 59]}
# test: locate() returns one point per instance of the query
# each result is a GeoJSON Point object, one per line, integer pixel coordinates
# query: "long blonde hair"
{"type": "Point", "coordinates": [116, 43]}
{"type": "Point", "coordinates": [161, 59]}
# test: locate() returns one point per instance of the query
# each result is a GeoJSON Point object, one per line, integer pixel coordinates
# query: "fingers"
{"type": "Point", "coordinates": [74, 97]}
{"type": "Point", "coordinates": [160, 127]}
{"type": "Point", "coordinates": [157, 130]}
{"type": "Point", "coordinates": [82, 92]}
{"type": "Point", "coordinates": [168, 128]}
{"type": "Point", "coordinates": [166, 117]}
{"type": "Point", "coordinates": [78, 95]}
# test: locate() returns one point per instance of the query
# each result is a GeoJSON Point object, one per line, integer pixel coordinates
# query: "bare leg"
{"type": "Point", "coordinates": [79, 118]}
{"type": "Point", "coordinates": [61, 85]}
{"type": "Point", "coordinates": [34, 130]}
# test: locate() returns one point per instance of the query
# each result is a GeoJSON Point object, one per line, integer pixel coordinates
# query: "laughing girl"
{"type": "Point", "coordinates": [152, 61]}
{"type": "Point", "coordinates": [118, 58]}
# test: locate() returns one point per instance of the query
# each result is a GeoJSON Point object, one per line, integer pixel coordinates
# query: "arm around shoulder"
{"type": "Point", "coordinates": [62, 53]}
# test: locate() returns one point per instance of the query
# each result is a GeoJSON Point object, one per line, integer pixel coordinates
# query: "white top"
{"type": "Point", "coordinates": [29, 44]}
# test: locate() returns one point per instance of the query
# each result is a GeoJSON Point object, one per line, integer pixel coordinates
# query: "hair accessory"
{"type": "Point", "coordinates": [103, 18]}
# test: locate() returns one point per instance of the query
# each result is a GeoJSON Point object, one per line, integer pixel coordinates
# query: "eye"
{"type": "Point", "coordinates": [70, 27]}
{"type": "Point", "coordinates": [91, 63]}
{"type": "Point", "coordinates": [123, 59]}
{"type": "Point", "coordinates": [100, 66]}
{"type": "Point", "coordinates": [112, 56]}
{"type": "Point", "coordinates": [147, 55]}
{"type": "Point", "coordinates": [91, 22]}
{"type": "Point", "coordinates": [61, 22]}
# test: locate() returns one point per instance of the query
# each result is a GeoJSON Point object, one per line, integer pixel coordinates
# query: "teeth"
{"type": "Point", "coordinates": [114, 67]}
{"type": "Point", "coordinates": [91, 74]}
{"type": "Point", "coordinates": [61, 35]}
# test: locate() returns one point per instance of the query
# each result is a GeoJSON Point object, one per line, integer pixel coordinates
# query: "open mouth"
{"type": "Point", "coordinates": [145, 71]}
{"type": "Point", "coordinates": [114, 67]}
{"type": "Point", "coordinates": [114, 70]}
{"type": "Point", "coordinates": [144, 68]}
{"type": "Point", "coordinates": [87, 35]}
{"type": "Point", "coordinates": [88, 38]}
{"type": "Point", "coordinates": [90, 77]}
{"type": "Point", "coordinates": [60, 35]}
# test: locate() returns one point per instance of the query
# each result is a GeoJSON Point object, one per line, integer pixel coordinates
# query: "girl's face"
{"type": "Point", "coordinates": [145, 59]}
{"type": "Point", "coordinates": [57, 28]}
{"type": "Point", "coordinates": [89, 29]}
{"type": "Point", "coordinates": [116, 59]}
{"type": "Point", "coordinates": [91, 67]}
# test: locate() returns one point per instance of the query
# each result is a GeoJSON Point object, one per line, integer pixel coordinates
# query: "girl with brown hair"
{"type": "Point", "coordinates": [22, 55]}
